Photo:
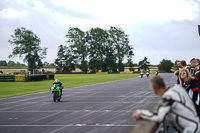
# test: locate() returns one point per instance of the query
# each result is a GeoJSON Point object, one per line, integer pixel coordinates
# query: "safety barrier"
{"type": "Point", "coordinates": [7, 78]}
{"type": "Point", "coordinates": [25, 78]}
{"type": "Point", "coordinates": [39, 77]}
{"type": "Point", "coordinates": [36, 78]}
{"type": "Point", "coordinates": [20, 78]}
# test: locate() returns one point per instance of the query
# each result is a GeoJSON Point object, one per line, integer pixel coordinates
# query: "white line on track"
{"type": "Point", "coordinates": [44, 117]}
{"type": "Point", "coordinates": [24, 100]}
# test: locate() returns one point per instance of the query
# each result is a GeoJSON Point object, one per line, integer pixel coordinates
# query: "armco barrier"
{"type": "Point", "coordinates": [50, 77]}
{"type": "Point", "coordinates": [20, 78]}
{"type": "Point", "coordinates": [7, 78]}
{"type": "Point", "coordinates": [25, 78]}
{"type": "Point", "coordinates": [39, 77]}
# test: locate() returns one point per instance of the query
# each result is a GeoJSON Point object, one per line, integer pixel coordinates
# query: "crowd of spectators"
{"type": "Point", "coordinates": [180, 104]}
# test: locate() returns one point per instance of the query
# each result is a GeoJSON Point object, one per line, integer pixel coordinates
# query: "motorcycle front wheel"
{"type": "Point", "coordinates": [54, 96]}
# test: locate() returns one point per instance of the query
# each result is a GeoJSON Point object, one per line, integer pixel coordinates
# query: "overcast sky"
{"type": "Point", "coordinates": [158, 29]}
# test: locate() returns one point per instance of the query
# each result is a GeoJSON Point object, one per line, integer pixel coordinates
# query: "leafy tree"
{"type": "Point", "coordinates": [175, 67]}
{"type": "Point", "coordinates": [120, 43]}
{"type": "Point", "coordinates": [77, 41]}
{"type": "Point", "coordinates": [130, 61]}
{"type": "Point", "coordinates": [97, 39]}
{"type": "Point", "coordinates": [46, 64]}
{"type": "Point", "coordinates": [18, 63]}
{"type": "Point", "coordinates": [165, 65]}
{"type": "Point", "coordinates": [144, 64]}
{"type": "Point", "coordinates": [3, 63]}
{"type": "Point", "coordinates": [110, 62]}
{"type": "Point", "coordinates": [51, 64]}
{"type": "Point", "coordinates": [27, 46]}
{"type": "Point", "coordinates": [11, 63]}
{"type": "Point", "coordinates": [65, 61]}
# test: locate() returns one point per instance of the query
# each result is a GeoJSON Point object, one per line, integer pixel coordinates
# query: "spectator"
{"type": "Point", "coordinates": [176, 73]}
{"type": "Point", "coordinates": [179, 64]}
{"type": "Point", "coordinates": [190, 86]}
{"type": "Point", "coordinates": [197, 75]}
{"type": "Point", "coordinates": [183, 64]}
{"type": "Point", "coordinates": [194, 63]}
{"type": "Point", "coordinates": [176, 107]}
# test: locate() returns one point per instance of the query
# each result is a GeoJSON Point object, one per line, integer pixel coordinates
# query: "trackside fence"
{"type": "Point", "coordinates": [7, 78]}
{"type": "Point", "coordinates": [25, 78]}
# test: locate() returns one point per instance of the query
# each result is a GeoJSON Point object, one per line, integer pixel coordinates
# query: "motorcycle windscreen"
{"type": "Point", "coordinates": [199, 29]}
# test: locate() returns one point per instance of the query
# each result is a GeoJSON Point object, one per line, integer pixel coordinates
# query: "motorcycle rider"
{"type": "Point", "coordinates": [147, 73]}
{"type": "Point", "coordinates": [59, 84]}
{"type": "Point", "coordinates": [141, 73]}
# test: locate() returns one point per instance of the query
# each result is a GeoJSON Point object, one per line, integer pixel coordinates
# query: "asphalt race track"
{"type": "Point", "coordinates": [99, 108]}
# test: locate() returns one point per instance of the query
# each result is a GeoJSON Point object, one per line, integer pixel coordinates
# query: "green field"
{"type": "Point", "coordinates": [11, 89]}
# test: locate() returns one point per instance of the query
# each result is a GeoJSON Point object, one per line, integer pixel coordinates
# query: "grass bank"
{"type": "Point", "coordinates": [11, 89]}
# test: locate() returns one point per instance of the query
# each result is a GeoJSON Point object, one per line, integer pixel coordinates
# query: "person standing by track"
{"type": "Point", "coordinates": [176, 107]}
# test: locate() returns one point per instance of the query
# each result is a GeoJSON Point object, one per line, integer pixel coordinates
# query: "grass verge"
{"type": "Point", "coordinates": [11, 89]}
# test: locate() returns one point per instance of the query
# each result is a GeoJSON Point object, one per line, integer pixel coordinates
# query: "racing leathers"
{"type": "Point", "coordinates": [193, 91]}
{"type": "Point", "coordinates": [197, 78]}
{"type": "Point", "coordinates": [176, 107]}
{"type": "Point", "coordinates": [60, 85]}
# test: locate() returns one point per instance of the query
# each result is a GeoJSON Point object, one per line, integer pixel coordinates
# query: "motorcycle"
{"type": "Point", "coordinates": [56, 92]}
{"type": "Point", "coordinates": [147, 75]}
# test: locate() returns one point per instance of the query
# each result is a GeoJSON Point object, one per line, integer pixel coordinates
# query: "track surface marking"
{"type": "Point", "coordinates": [100, 108]}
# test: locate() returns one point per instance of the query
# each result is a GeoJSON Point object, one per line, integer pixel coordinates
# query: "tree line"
{"type": "Point", "coordinates": [94, 50]}
{"type": "Point", "coordinates": [10, 63]}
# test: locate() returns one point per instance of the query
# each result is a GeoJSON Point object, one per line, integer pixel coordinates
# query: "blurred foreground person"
{"type": "Point", "coordinates": [176, 107]}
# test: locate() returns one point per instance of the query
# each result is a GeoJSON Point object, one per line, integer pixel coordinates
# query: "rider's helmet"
{"type": "Point", "coordinates": [56, 81]}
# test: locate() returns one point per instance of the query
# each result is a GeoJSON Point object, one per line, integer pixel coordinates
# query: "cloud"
{"type": "Point", "coordinates": [9, 13]}
{"type": "Point", "coordinates": [133, 11]}
{"type": "Point", "coordinates": [157, 29]}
